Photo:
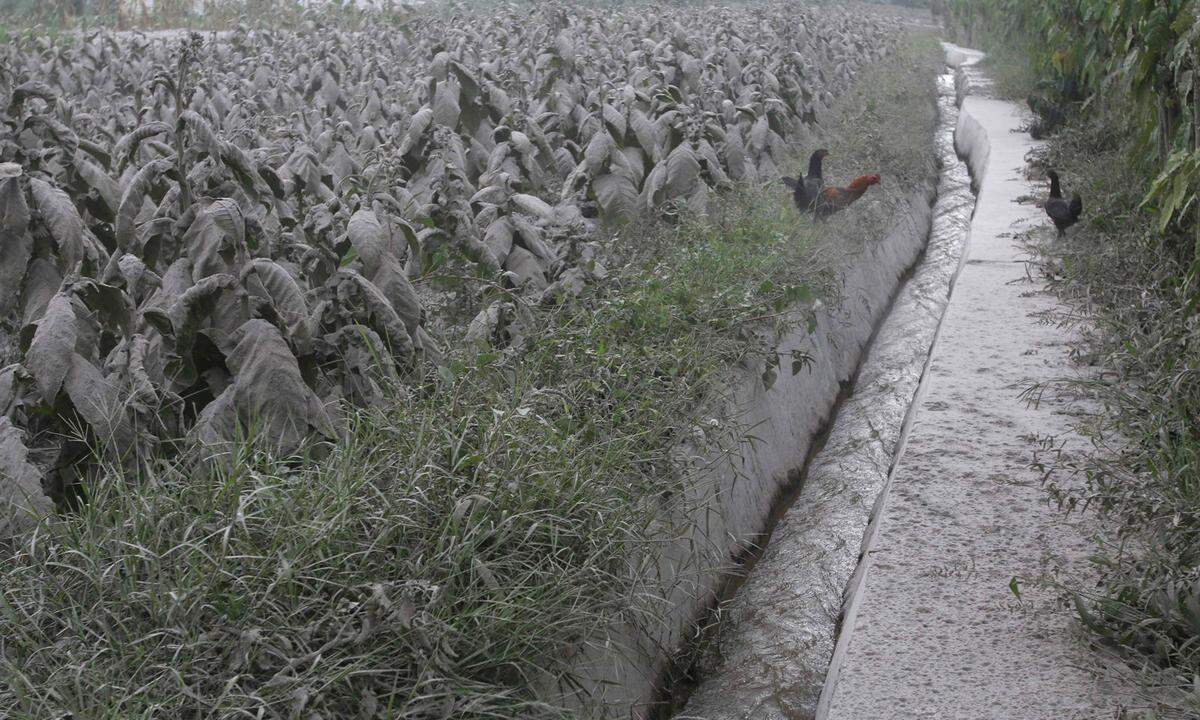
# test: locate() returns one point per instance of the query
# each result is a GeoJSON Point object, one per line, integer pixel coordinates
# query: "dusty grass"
{"type": "Point", "coordinates": [451, 558]}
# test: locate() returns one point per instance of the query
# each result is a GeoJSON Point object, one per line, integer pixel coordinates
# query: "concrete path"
{"type": "Point", "coordinates": [778, 633]}
{"type": "Point", "coordinates": [934, 631]}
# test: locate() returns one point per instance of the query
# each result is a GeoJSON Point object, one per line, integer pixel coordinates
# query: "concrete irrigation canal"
{"type": "Point", "coordinates": [886, 588]}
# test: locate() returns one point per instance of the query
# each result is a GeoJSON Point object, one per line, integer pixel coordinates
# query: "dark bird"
{"type": "Point", "coordinates": [1048, 116]}
{"type": "Point", "coordinates": [804, 192]}
{"type": "Point", "coordinates": [1063, 214]}
{"type": "Point", "coordinates": [834, 199]}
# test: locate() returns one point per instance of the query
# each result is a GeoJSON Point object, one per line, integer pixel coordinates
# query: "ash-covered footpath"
{"type": "Point", "coordinates": [934, 631]}
{"type": "Point", "coordinates": [778, 633]}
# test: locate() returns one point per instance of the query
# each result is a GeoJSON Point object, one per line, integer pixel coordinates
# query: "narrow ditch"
{"type": "Point", "coordinates": [768, 652]}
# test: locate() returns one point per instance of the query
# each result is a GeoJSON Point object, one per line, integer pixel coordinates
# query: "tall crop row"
{"type": "Point", "coordinates": [202, 239]}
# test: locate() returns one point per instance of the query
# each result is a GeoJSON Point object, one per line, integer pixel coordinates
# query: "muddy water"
{"type": "Point", "coordinates": [778, 634]}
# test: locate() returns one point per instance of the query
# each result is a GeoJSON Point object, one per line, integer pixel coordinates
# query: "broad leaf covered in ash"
{"type": "Point", "coordinates": [207, 239]}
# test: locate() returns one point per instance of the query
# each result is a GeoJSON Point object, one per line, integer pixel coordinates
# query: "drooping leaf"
{"type": "Point", "coordinates": [759, 135]}
{"type": "Point", "coordinates": [531, 236]}
{"type": "Point", "coordinates": [499, 238]}
{"type": "Point", "coordinates": [98, 180]}
{"type": "Point", "coordinates": [215, 241]}
{"type": "Point", "coordinates": [483, 326]}
{"type": "Point", "coordinates": [389, 277]}
{"type": "Point", "coordinates": [195, 305]}
{"type": "Point", "coordinates": [534, 206]}
{"type": "Point", "coordinates": [366, 236]}
{"type": "Point", "coordinates": [125, 151]}
{"type": "Point", "coordinates": [683, 171]}
{"type": "Point", "coordinates": [646, 132]}
{"type": "Point", "coordinates": [63, 221]}
{"type": "Point", "coordinates": [618, 197]}
{"type": "Point", "coordinates": [614, 121]}
{"type": "Point", "coordinates": [107, 304]}
{"type": "Point", "coordinates": [421, 121]}
{"type": "Point", "coordinates": [446, 109]}
{"type": "Point", "coordinates": [134, 196]}
{"type": "Point", "coordinates": [524, 269]}
{"type": "Point", "coordinates": [22, 500]}
{"type": "Point", "coordinates": [652, 188]}
{"type": "Point", "coordinates": [202, 131]}
{"type": "Point", "coordinates": [40, 284]}
{"type": "Point", "coordinates": [33, 89]}
{"type": "Point", "coordinates": [14, 211]}
{"type": "Point", "coordinates": [268, 397]}
{"type": "Point", "coordinates": [228, 217]}
{"type": "Point", "coordinates": [597, 151]}
{"type": "Point", "coordinates": [282, 290]}
{"type": "Point", "coordinates": [16, 245]}
{"type": "Point", "coordinates": [98, 400]}
{"type": "Point", "coordinates": [356, 291]}
{"type": "Point", "coordinates": [368, 369]}
{"type": "Point", "coordinates": [49, 354]}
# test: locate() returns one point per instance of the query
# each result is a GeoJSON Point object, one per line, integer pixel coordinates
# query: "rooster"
{"type": "Point", "coordinates": [833, 199]}
{"type": "Point", "coordinates": [1063, 214]}
{"type": "Point", "coordinates": [805, 191]}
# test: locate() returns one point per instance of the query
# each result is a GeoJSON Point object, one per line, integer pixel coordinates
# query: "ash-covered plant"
{"type": "Point", "coordinates": [263, 228]}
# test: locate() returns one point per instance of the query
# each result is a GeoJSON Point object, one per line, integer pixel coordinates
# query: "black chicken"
{"type": "Point", "coordinates": [805, 192]}
{"type": "Point", "coordinates": [1063, 214]}
{"type": "Point", "coordinates": [1048, 116]}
